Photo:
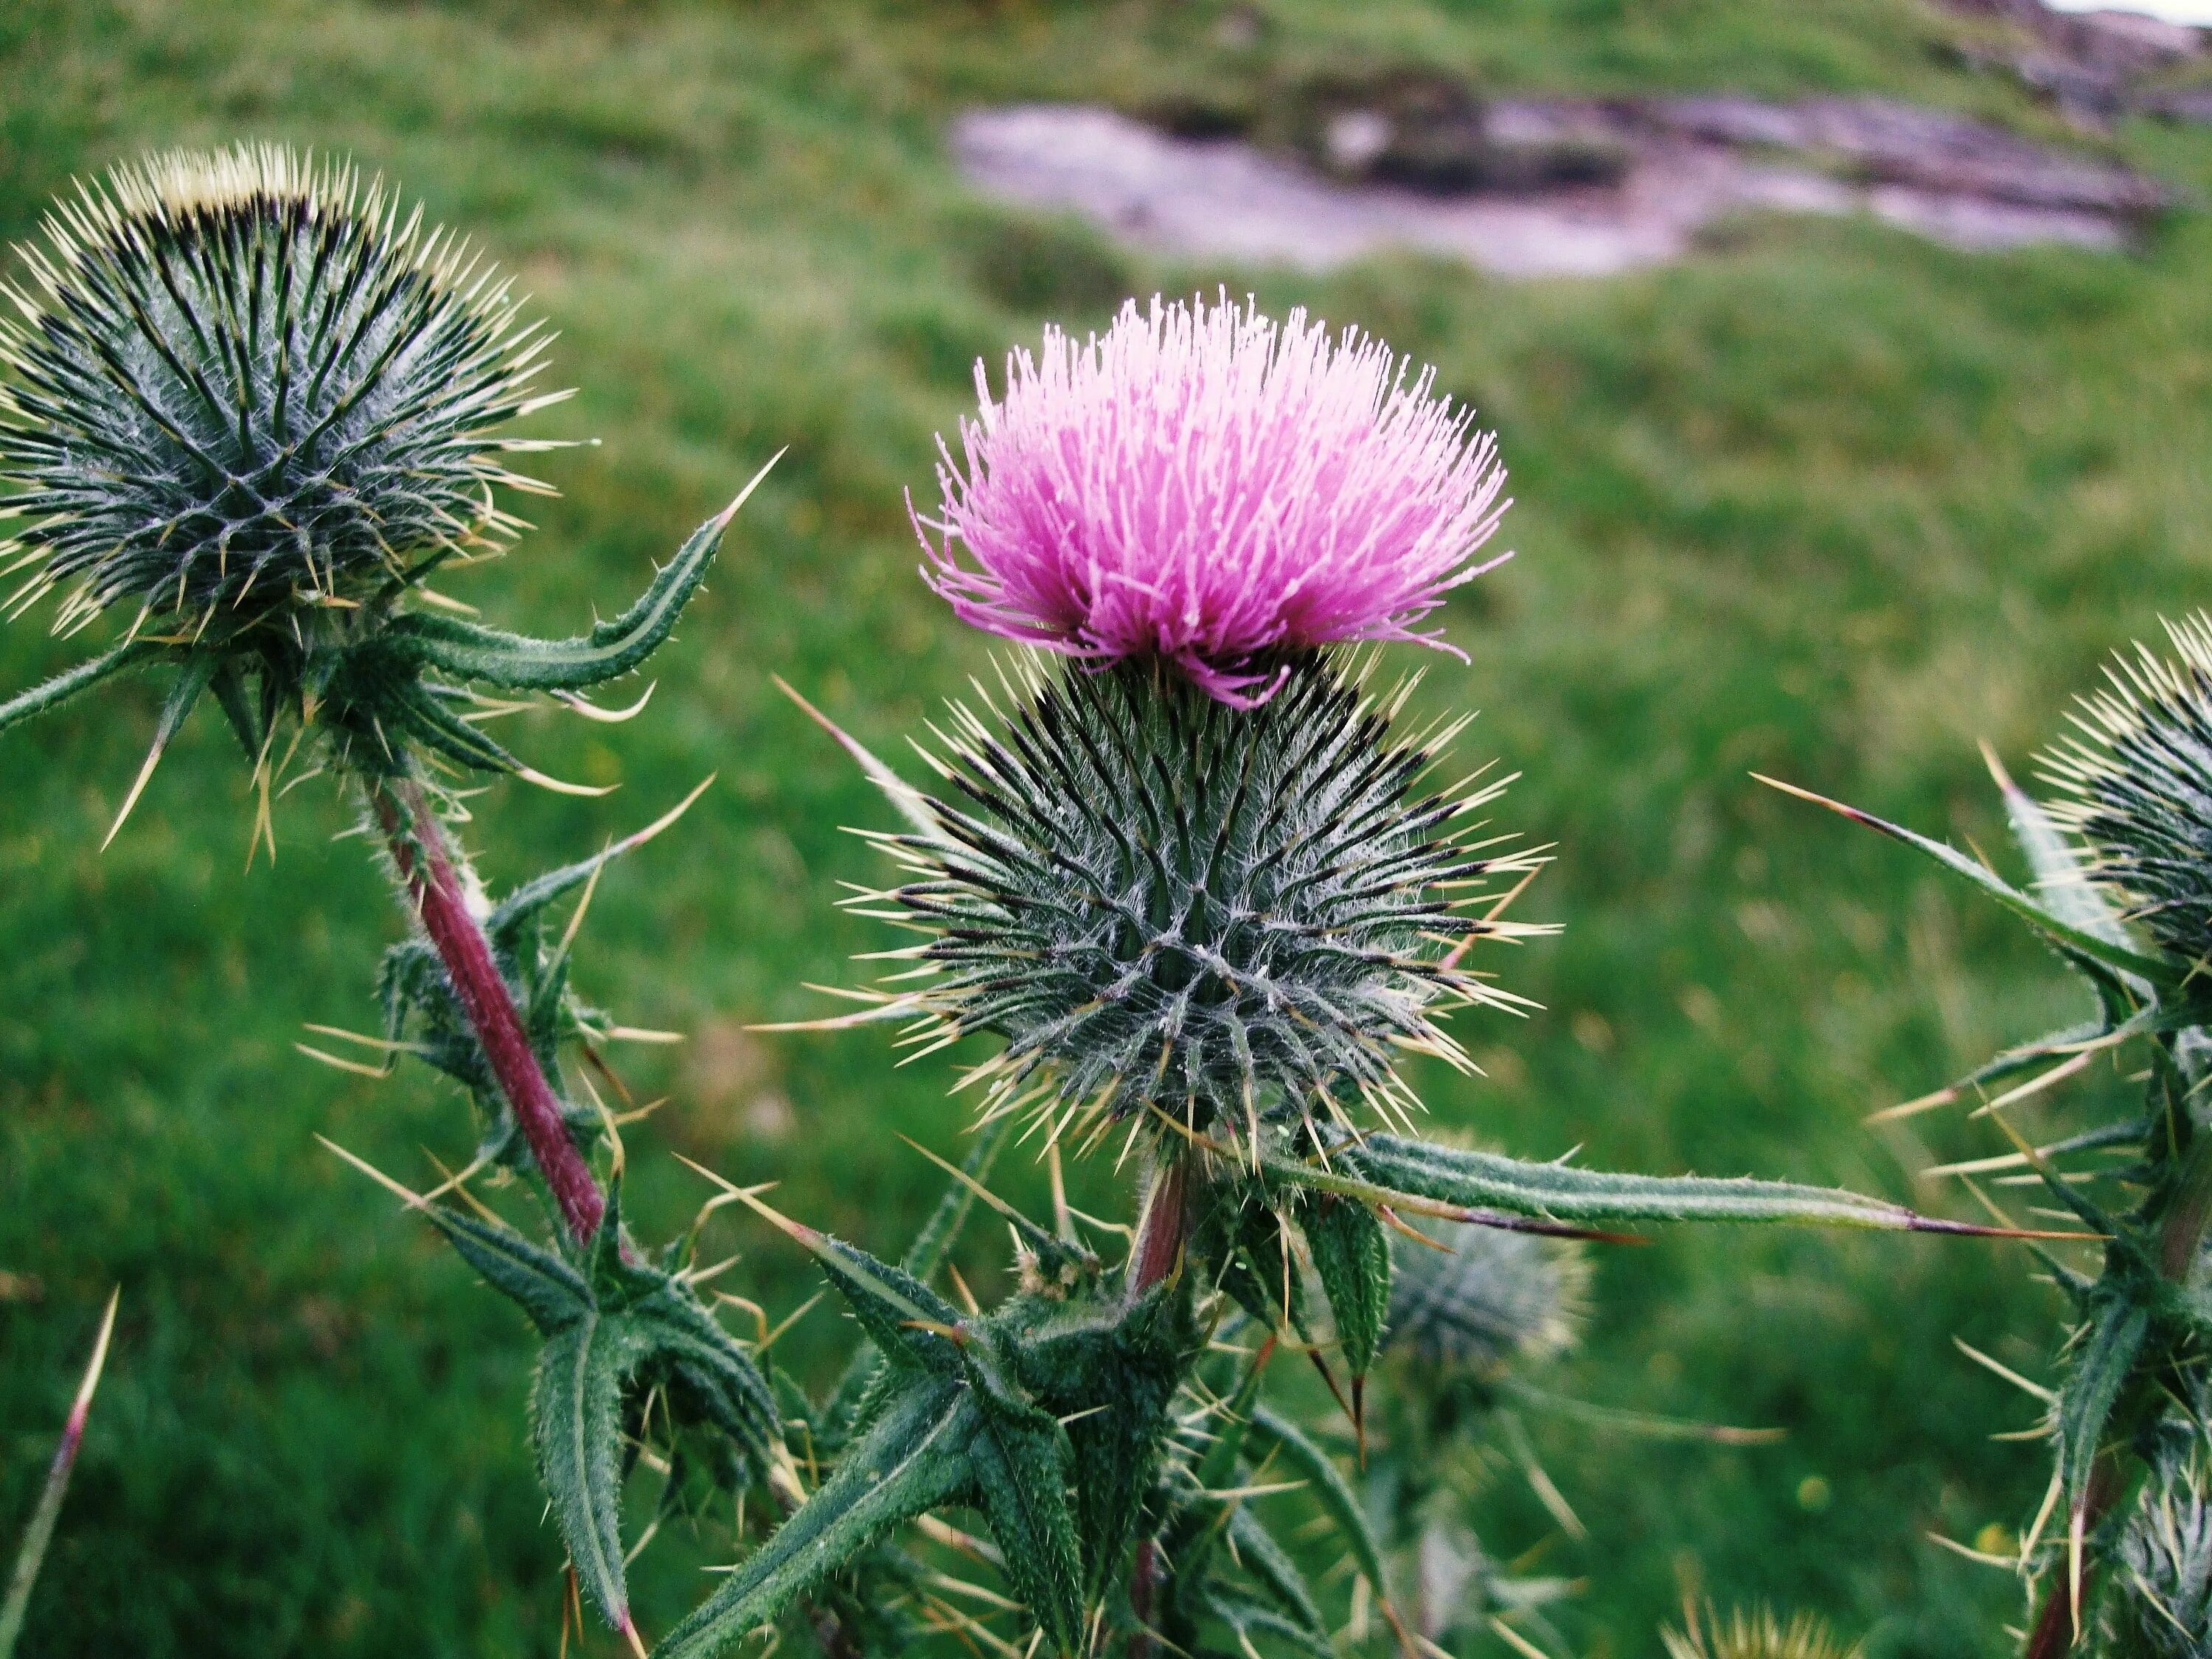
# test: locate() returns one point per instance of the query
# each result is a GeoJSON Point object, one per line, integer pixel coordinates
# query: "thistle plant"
{"type": "Point", "coordinates": [2115, 1557]}
{"type": "Point", "coordinates": [248, 405]}
{"type": "Point", "coordinates": [1208, 889]}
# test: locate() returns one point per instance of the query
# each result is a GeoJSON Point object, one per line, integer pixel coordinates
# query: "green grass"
{"type": "Point", "coordinates": [1824, 501]}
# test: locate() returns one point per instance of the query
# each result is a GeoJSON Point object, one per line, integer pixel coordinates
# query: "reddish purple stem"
{"type": "Point", "coordinates": [418, 847]}
{"type": "Point", "coordinates": [1166, 1224]}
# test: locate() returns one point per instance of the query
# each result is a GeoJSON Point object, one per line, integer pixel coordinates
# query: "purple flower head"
{"type": "Point", "coordinates": [1207, 485]}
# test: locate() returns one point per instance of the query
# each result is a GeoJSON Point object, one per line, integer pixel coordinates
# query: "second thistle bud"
{"type": "Point", "coordinates": [240, 383]}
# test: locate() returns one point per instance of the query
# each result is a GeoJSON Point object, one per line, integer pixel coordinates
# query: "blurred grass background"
{"type": "Point", "coordinates": [1825, 501]}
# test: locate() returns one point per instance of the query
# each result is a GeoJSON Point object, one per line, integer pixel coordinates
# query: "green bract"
{"type": "Point", "coordinates": [1225, 915]}
{"type": "Point", "coordinates": [241, 382]}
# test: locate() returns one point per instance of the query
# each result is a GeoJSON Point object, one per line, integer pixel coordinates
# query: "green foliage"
{"type": "Point", "coordinates": [620, 1337]}
{"type": "Point", "coordinates": [2137, 1339]}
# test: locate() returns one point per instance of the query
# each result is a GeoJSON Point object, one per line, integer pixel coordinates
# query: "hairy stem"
{"type": "Point", "coordinates": [427, 864]}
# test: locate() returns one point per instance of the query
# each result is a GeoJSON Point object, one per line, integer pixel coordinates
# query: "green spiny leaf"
{"type": "Point", "coordinates": [48, 694]}
{"type": "Point", "coordinates": [1270, 1566]}
{"type": "Point", "coordinates": [912, 1459]}
{"type": "Point", "coordinates": [553, 1293]}
{"type": "Point", "coordinates": [611, 649]}
{"type": "Point", "coordinates": [1383, 1169]}
{"type": "Point", "coordinates": [2101, 1369]}
{"type": "Point", "coordinates": [2160, 972]}
{"type": "Point", "coordinates": [2060, 881]}
{"type": "Point", "coordinates": [931, 1246]}
{"type": "Point", "coordinates": [1248, 1618]}
{"type": "Point", "coordinates": [1019, 1458]}
{"type": "Point", "coordinates": [575, 1412]}
{"type": "Point", "coordinates": [1352, 1255]}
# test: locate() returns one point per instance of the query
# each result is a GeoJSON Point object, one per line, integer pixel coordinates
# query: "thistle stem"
{"type": "Point", "coordinates": [1166, 1224]}
{"type": "Point", "coordinates": [428, 864]}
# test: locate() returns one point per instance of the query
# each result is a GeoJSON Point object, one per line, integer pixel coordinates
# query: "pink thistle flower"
{"type": "Point", "coordinates": [1206, 485]}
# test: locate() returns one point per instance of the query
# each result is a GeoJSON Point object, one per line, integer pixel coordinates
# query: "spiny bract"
{"type": "Point", "coordinates": [1165, 903]}
{"type": "Point", "coordinates": [242, 380]}
{"type": "Point", "coordinates": [2137, 786]}
{"type": "Point", "coordinates": [1486, 1298]}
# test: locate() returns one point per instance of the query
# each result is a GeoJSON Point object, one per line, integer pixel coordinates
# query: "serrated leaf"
{"type": "Point", "coordinates": [1248, 1618]}
{"type": "Point", "coordinates": [1020, 1465]}
{"type": "Point", "coordinates": [1269, 1565]}
{"type": "Point", "coordinates": [1304, 1460]}
{"type": "Point", "coordinates": [726, 1384]}
{"type": "Point", "coordinates": [912, 1459]}
{"type": "Point", "coordinates": [553, 1293]}
{"type": "Point", "coordinates": [931, 1246]}
{"type": "Point", "coordinates": [576, 1420]}
{"type": "Point", "coordinates": [1129, 1359]}
{"type": "Point", "coordinates": [2060, 881]}
{"type": "Point", "coordinates": [1352, 1257]}
{"type": "Point", "coordinates": [2101, 1369]}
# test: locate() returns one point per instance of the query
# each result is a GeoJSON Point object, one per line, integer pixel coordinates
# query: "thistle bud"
{"type": "Point", "coordinates": [1486, 1298]}
{"type": "Point", "coordinates": [2160, 1607]}
{"type": "Point", "coordinates": [1171, 906]}
{"type": "Point", "coordinates": [2136, 783]}
{"type": "Point", "coordinates": [241, 383]}
{"type": "Point", "coordinates": [1758, 1635]}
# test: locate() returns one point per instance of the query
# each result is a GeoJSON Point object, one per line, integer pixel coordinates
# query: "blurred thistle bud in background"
{"type": "Point", "coordinates": [1481, 1299]}
{"type": "Point", "coordinates": [1204, 877]}
{"type": "Point", "coordinates": [2161, 1605]}
{"type": "Point", "coordinates": [1749, 1635]}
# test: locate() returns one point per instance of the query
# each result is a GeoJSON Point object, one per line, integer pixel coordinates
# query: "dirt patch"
{"type": "Point", "coordinates": [1533, 188]}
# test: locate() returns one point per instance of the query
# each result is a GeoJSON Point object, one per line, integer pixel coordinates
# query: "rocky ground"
{"type": "Point", "coordinates": [1327, 167]}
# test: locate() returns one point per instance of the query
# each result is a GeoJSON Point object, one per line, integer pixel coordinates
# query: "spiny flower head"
{"type": "Point", "coordinates": [1193, 914]}
{"type": "Point", "coordinates": [240, 382]}
{"type": "Point", "coordinates": [1485, 1298]}
{"type": "Point", "coordinates": [1205, 484]}
{"type": "Point", "coordinates": [2137, 786]}
{"type": "Point", "coordinates": [1758, 1635]}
